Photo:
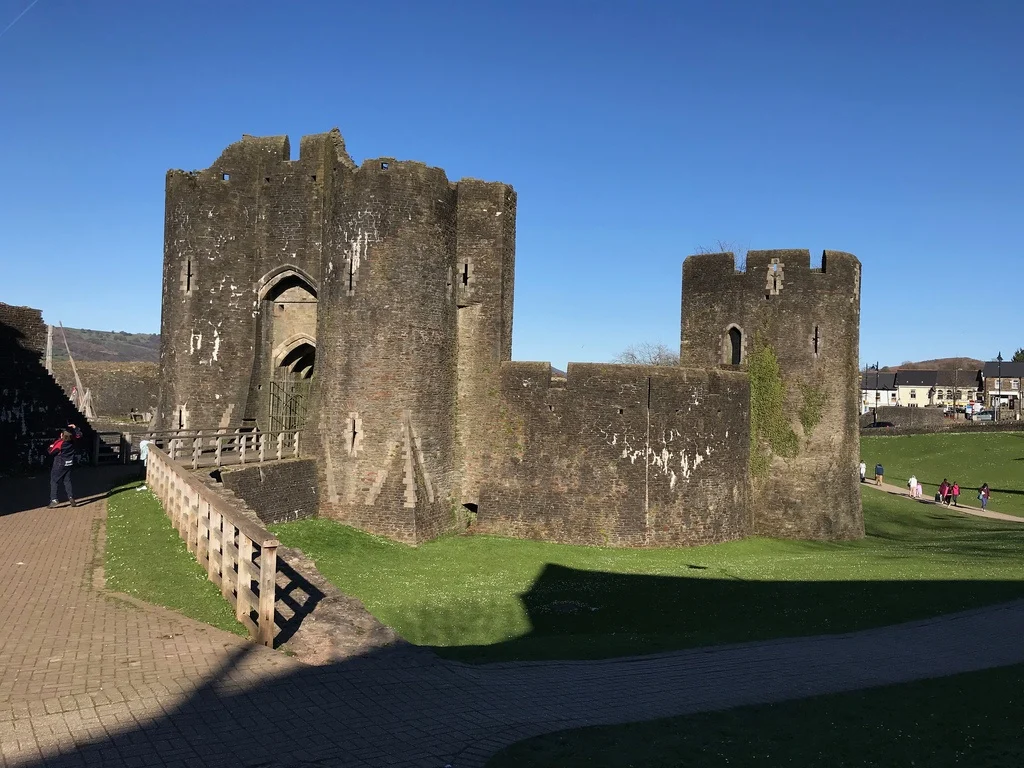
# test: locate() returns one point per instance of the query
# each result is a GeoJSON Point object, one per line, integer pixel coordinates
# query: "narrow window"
{"type": "Point", "coordinates": [465, 274]}
{"type": "Point", "coordinates": [188, 276]}
{"type": "Point", "coordinates": [354, 434]}
{"type": "Point", "coordinates": [735, 346]}
{"type": "Point", "coordinates": [817, 338]}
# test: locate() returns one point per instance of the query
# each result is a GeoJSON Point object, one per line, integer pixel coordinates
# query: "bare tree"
{"type": "Point", "coordinates": [727, 246]}
{"type": "Point", "coordinates": [647, 354]}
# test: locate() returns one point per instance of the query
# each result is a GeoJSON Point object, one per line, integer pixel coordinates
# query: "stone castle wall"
{"type": "Point", "coordinates": [33, 407]}
{"type": "Point", "coordinates": [807, 445]}
{"type": "Point", "coordinates": [115, 387]}
{"type": "Point", "coordinates": [619, 455]}
{"type": "Point", "coordinates": [278, 492]}
{"type": "Point", "coordinates": [380, 298]}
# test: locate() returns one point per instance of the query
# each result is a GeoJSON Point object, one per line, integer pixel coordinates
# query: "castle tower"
{"type": "Point", "coordinates": [795, 331]}
{"type": "Point", "coordinates": [242, 253]}
{"type": "Point", "coordinates": [386, 371]}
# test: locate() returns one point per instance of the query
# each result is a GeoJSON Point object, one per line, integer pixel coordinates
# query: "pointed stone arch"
{"type": "Point", "coordinates": [289, 345]}
{"type": "Point", "coordinates": [282, 274]}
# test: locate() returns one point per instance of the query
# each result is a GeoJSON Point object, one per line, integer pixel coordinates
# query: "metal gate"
{"type": "Point", "coordinates": [288, 400]}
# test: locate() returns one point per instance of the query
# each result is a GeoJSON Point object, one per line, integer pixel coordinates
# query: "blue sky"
{"type": "Point", "coordinates": [633, 133]}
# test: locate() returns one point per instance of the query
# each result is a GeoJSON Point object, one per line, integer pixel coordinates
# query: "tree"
{"type": "Point", "coordinates": [647, 354]}
{"type": "Point", "coordinates": [727, 246]}
{"type": "Point", "coordinates": [1018, 356]}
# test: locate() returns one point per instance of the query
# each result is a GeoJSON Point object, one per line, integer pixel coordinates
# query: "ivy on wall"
{"type": "Point", "coordinates": [814, 403]}
{"type": "Point", "coordinates": [770, 431]}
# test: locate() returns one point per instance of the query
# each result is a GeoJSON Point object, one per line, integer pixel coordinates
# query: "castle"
{"type": "Point", "coordinates": [372, 306]}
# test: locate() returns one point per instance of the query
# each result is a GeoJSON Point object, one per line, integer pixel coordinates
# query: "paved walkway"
{"type": "Point", "coordinates": [962, 508]}
{"type": "Point", "coordinates": [87, 679]}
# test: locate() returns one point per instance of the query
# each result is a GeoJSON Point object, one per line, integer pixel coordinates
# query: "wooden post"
{"type": "Point", "coordinates": [244, 578]}
{"type": "Point", "coordinates": [227, 541]}
{"type": "Point", "coordinates": [197, 449]}
{"type": "Point", "coordinates": [268, 594]}
{"type": "Point", "coordinates": [214, 560]}
{"type": "Point", "coordinates": [241, 447]}
{"type": "Point", "coordinates": [296, 444]}
{"type": "Point", "coordinates": [220, 449]}
{"type": "Point", "coordinates": [280, 445]}
{"type": "Point", "coordinates": [263, 446]}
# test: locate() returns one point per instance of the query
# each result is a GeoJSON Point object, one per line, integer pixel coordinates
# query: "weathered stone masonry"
{"type": "Point", "coordinates": [374, 305]}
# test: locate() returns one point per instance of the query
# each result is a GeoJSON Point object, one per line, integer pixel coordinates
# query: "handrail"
{"type": "Point", "coordinates": [222, 541]}
{"type": "Point", "coordinates": [210, 448]}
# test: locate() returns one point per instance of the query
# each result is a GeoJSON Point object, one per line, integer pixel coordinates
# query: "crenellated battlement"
{"type": "Point", "coordinates": [713, 272]}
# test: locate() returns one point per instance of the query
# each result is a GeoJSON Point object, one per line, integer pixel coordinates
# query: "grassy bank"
{"type": "Point", "coordinates": [147, 559]}
{"type": "Point", "coordinates": [966, 720]}
{"type": "Point", "coordinates": [996, 458]}
{"type": "Point", "coordinates": [486, 598]}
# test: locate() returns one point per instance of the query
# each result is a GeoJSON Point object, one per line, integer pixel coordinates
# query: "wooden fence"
{"type": "Point", "coordinates": [238, 554]}
{"type": "Point", "coordinates": [217, 449]}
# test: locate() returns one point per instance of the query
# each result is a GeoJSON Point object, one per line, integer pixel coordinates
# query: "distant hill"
{"type": "Point", "coordinates": [109, 346]}
{"type": "Point", "coordinates": [940, 364]}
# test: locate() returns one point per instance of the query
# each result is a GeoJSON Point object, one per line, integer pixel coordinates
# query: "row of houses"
{"type": "Point", "coordinates": [995, 385]}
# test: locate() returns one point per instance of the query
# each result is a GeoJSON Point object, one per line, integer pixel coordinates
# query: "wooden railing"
{"type": "Point", "coordinates": [237, 553]}
{"type": "Point", "coordinates": [216, 449]}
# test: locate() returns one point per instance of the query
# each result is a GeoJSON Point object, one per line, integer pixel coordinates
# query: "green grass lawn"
{"type": "Point", "coordinates": [996, 458]}
{"type": "Point", "coordinates": [967, 720]}
{"type": "Point", "coordinates": [147, 559]}
{"type": "Point", "coordinates": [485, 598]}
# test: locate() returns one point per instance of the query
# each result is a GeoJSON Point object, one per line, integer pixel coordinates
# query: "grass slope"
{"type": "Point", "coordinates": [147, 559]}
{"type": "Point", "coordinates": [487, 598]}
{"type": "Point", "coordinates": [996, 458]}
{"type": "Point", "coordinates": [966, 720]}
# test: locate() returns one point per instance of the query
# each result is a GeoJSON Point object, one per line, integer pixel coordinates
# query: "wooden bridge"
{"type": "Point", "coordinates": [217, 448]}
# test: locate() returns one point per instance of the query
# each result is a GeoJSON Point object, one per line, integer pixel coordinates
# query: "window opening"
{"type": "Point", "coordinates": [465, 274]}
{"type": "Point", "coordinates": [817, 338]}
{"type": "Point", "coordinates": [188, 276]}
{"type": "Point", "coordinates": [352, 438]}
{"type": "Point", "coordinates": [735, 346]}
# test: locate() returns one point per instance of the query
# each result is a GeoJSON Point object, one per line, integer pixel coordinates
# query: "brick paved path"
{"type": "Point", "coordinates": [86, 679]}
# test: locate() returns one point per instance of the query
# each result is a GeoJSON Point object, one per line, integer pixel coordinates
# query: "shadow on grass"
{"type": "Point", "coordinates": [406, 706]}
{"type": "Point", "coordinates": [588, 614]}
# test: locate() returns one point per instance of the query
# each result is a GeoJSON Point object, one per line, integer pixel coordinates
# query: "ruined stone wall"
{"type": "Point", "coordinates": [33, 407]}
{"type": "Point", "coordinates": [116, 387]}
{"type": "Point", "coordinates": [798, 329]}
{"type": "Point", "coordinates": [619, 455]}
{"type": "Point", "coordinates": [277, 492]}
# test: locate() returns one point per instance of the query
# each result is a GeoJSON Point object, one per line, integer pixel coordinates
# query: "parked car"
{"type": "Point", "coordinates": [880, 425]}
{"type": "Point", "coordinates": [984, 416]}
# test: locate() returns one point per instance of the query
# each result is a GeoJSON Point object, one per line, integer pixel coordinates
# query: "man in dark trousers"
{"type": "Point", "coordinates": [63, 452]}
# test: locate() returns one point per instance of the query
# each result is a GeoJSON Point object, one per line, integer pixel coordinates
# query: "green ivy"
{"type": "Point", "coordinates": [814, 403]}
{"type": "Point", "coordinates": [770, 431]}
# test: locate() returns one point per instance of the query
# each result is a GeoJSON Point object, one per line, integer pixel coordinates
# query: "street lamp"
{"type": "Point", "coordinates": [874, 417]}
{"type": "Point", "coordinates": [999, 383]}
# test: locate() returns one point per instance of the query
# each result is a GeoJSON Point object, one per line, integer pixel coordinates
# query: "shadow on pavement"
{"type": "Point", "coordinates": [18, 494]}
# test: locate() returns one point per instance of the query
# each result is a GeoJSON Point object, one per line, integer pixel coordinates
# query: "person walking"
{"type": "Point", "coordinates": [63, 452]}
{"type": "Point", "coordinates": [912, 485]}
{"type": "Point", "coordinates": [955, 491]}
{"type": "Point", "coordinates": [863, 470]}
{"type": "Point", "coordinates": [943, 490]}
{"type": "Point", "coordinates": [983, 494]}
{"type": "Point", "coordinates": [879, 474]}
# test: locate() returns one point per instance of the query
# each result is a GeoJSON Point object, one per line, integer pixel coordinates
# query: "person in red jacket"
{"type": "Point", "coordinates": [63, 452]}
